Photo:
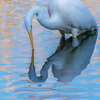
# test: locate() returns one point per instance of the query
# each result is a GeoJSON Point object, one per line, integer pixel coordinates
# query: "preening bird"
{"type": "Point", "coordinates": [67, 16]}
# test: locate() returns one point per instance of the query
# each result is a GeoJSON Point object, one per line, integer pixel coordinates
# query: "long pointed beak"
{"type": "Point", "coordinates": [32, 58]}
{"type": "Point", "coordinates": [31, 38]}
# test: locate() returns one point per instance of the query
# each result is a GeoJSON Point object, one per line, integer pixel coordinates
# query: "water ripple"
{"type": "Point", "coordinates": [15, 57]}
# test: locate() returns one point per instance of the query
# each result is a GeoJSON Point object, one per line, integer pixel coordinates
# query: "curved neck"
{"type": "Point", "coordinates": [47, 22]}
{"type": "Point", "coordinates": [43, 73]}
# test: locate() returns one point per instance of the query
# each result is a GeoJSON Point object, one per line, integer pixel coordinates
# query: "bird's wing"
{"type": "Point", "coordinates": [71, 12]}
{"type": "Point", "coordinates": [52, 7]}
{"type": "Point", "coordinates": [77, 15]}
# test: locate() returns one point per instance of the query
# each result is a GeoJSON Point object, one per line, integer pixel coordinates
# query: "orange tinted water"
{"type": "Point", "coordinates": [15, 57]}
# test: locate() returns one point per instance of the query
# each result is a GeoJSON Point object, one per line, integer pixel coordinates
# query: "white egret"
{"type": "Point", "coordinates": [67, 16]}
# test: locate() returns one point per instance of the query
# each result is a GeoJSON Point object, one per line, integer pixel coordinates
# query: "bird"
{"type": "Point", "coordinates": [68, 16]}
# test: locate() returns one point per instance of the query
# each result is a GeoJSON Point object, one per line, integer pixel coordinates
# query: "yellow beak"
{"type": "Point", "coordinates": [32, 58]}
{"type": "Point", "coordinates": [31, 38]}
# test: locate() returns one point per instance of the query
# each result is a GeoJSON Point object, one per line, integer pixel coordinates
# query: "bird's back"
{"type": "Point", "coordinates": [72, 13]}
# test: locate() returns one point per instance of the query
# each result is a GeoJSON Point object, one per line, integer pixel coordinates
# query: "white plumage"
{"type": "Point", "coordinates": [68, 16]}
{"type": "Point", "coordinates": [71, 14]}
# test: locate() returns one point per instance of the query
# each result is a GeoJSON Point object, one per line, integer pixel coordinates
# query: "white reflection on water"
{"type": "Point", "coordinates": [67, 62]}
{"type": "Point", "coordinates": [15, 57]}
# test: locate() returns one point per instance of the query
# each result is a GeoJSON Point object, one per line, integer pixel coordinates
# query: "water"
{"type": "Point", "coordinates": [72, 82]}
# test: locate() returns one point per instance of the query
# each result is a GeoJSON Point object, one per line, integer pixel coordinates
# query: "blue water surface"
{"type": "Point", "coordinates": [67, 73]}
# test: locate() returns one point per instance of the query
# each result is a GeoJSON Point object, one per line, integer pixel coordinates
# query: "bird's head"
{"type": "Point", "coordinates": [28, 25]}
{"type": "Point", "coordinates": [28, 21]}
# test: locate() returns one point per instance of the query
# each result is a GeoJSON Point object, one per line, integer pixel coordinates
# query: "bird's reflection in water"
{"type": "Point", "coordinates": [67, 62]}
